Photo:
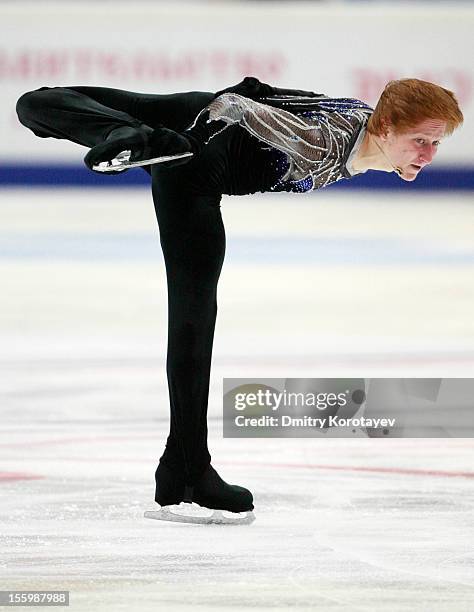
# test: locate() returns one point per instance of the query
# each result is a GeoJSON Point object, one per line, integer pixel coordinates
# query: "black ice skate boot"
{"type": "Point", "coordinates": [169, 486]}
{"type": "Point", "coordinates": [131, 147]}
{"type": "Point", "coordinates": [209, 492]}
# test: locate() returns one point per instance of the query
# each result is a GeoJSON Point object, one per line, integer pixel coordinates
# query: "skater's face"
{"type": "Point", "coordinates": [413, 150]}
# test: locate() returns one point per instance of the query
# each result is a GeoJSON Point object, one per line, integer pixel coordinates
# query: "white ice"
{"type": "Point", "coordinates": [324, 285]}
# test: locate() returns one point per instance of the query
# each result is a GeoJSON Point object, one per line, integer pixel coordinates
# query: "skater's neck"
{"type": "Point", "coordinates": [371, 156]}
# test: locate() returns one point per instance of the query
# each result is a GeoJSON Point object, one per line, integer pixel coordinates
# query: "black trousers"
{"type": "Point", "coordinates": [187, 203]}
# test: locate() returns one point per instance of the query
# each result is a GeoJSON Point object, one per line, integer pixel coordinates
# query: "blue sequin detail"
{"type": "Point", "coordinates": [281, 165]}
{"type": "Point", "coordinates": [305, 184]}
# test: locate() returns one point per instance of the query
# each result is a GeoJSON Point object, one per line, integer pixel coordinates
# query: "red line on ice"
{"type": "Point", "coordinates": [341, 468]}
{"type": "Point", "coordinates": [18, 476]}
{"type": "Point", "coordinates": [351, 468]}
{"type": "Point", "coordinates": [298, 466]}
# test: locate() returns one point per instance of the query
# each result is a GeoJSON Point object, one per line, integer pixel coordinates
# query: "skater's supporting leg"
{"type": "Point", "coordinates": [193, 241]}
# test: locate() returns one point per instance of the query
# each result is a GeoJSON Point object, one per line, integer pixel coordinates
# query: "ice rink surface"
{"type": "Point", "coordinates": [331, 284]}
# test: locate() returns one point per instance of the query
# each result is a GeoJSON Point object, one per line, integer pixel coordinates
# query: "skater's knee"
{"type": "Point", "coordinates": [36, 103]}
{"type": "Point", "coordinates": [30, 103]}
{"type": "Point", "coordinates": [23, 105]}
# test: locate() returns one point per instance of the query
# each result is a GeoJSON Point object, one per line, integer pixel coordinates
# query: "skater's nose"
{"type": "Point", "coordinates": [427, 154]}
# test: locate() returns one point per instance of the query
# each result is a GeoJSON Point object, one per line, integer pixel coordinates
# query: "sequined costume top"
{"type": "Point", "coordinates": [312, 138]}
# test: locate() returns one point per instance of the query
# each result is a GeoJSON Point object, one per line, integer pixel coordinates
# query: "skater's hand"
{"type": "Point", "coordinates": [250, 87]}
{"type": "Point", "coordinates": [168, 142]}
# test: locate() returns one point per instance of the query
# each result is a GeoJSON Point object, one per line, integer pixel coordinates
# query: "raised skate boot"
{"type": "Point", "coordinates": [130, 147]}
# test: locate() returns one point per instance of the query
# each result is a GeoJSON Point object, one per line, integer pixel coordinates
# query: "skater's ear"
{"type": "Point", "coordinates": [386, 129]}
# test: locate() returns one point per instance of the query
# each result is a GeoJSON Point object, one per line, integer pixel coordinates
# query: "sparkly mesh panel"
{"type": "Point", "coordinates": [315, 134]}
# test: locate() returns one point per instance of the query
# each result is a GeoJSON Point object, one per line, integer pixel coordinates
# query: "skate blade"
{"type": "Point", "coordinates": [190, 513]}
{"type": "Point", "coordinates": [121, 162]}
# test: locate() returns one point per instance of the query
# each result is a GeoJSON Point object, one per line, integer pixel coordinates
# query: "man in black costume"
{"type": "Point", "coordinates": [247, 138]}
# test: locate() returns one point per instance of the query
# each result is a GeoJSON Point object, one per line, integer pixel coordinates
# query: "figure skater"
{"type": "Point", "coordinates": [248, 138]}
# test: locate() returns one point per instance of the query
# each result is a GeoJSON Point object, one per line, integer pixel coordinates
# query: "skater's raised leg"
{"type": "Point", "coordinates": [107, 118]}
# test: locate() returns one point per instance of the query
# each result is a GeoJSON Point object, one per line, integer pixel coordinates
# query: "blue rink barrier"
{"type": "Point", "coordinates": [440, 178]}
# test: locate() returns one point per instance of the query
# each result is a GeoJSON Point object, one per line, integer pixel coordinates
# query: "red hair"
{"type": "Point", "coordinates": [408, 102]}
